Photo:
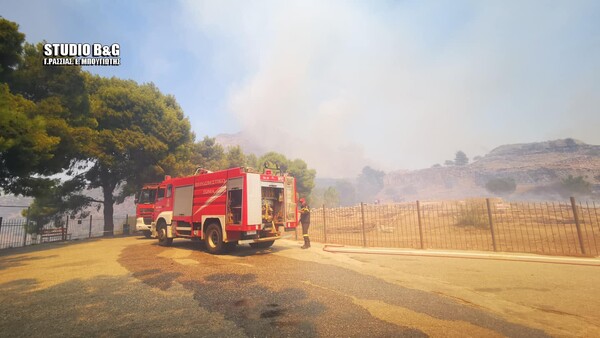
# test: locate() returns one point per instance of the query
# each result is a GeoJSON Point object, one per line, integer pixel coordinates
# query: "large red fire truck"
{"type": "Point", "coordinates": [144, 210]}
{"type": "Point", "coordinates": [226, 207]}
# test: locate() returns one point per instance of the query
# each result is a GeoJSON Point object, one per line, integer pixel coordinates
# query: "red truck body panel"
{"type": "Point", "coordinates": [245, 203]}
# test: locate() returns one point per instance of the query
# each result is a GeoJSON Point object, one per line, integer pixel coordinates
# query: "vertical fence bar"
{"type": "Point", "coordinates": [591, 221]}
{"type": "Point", "coordinates": [64, 234]}
{"type": "Point", "coordinates": [449, 226]}
{"type": "Point", "coordinates": [544, 226]}
{"type": "Point", "coordinates": [562, 249]}
{"type": "Point", "coordinates": [539, 228]}
{"type": "Point", "coordinates": [534, 223]}
{"type": "Point", "coordinates": [400, 225]}
{"type": "Point", "coordinates": [482, 236]}
{"type": "Point", "coordinates": [489, 210]}
{"type": "Point", "coordinates": [587, 236]}
{"type": "Point", "coordinates": [25, 228]}
{"type": "Point", "coordinates": [563, 219]}
{"type": "Point", "coordinates": [597, 222]}
{"type": "Point", "coordinates": [90, 235]}
{"type": "Point", "coordinates": [443, 227]}
{"type": "Point", "coordinates": [576, 217]}
{"type": "Point", "coordinates": [420, 224]}
{"type": "Point", "coordinates": [362, 215]}
{"type": "Point", "coordinates": [324, 226]}
{"type": "Point", "coordinates": [507, 223]}
{"type": "Point", "coordinates": [527, 220]}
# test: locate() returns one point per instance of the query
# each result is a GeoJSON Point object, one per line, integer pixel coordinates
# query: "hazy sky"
{"type": "Point", "coordinates": [342, 84]}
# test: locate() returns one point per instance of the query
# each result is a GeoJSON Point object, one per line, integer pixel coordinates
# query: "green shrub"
{"type": "Point", "coordinates": [578, 186]}
{"type": "Point", "coordinates": [501, 186]}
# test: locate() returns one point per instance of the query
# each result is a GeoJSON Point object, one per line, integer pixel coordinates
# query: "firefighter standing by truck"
{"type": "Point", "coordinates": [305, 220]}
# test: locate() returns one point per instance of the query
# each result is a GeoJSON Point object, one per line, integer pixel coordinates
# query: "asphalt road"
{"type": "Point", "coordinates": [133, 287]}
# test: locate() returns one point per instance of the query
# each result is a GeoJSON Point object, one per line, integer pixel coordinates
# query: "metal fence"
{"type": "Point", "coordinates": [13, 232]}
{"type": "Point", "coordinates": [552, 228]}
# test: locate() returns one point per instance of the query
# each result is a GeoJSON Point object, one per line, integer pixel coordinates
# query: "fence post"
{"type": "Point", "coordinates": [324, 226]}
{"type": "Point", "coordinates": [90, 236]}
{"type": "Point", "coordinates": [26, 227]}
{"type": "Point", "coordinates": [489, 210]}
{"type": "Point", "coordinates": [576, 216]}
{"type": "Point", "coordinates": [64, 234]}
{"type": "Point", "coordinates": [0, 223]}
{"type": "Point", "coordinates": [362, 214]}
{"type": "Point", "coordinates": [420, 224]}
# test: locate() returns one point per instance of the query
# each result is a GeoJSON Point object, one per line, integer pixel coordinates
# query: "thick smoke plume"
{"type": "Point", "coordinates": [405, 84]}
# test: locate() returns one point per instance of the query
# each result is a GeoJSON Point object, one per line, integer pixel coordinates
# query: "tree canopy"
{"type": "Point", "coordinates": [44, 117]}
{"type": "Point", "coordinates": [369, 183]}
{"type": "Point", "coordinates": [139, 135]}
{"type": "Point", "coordinates": [11, 46]}
{"type": "Point", "coordinates": [305, 177]}
{"type": "Point", "coordinates": [94, 131]}
{"type": "Point", "coordinates": [461, 158]}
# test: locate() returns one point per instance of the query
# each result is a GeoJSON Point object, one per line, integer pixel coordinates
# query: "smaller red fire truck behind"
{"type": "Point", "coordinates": [144, 210]}
{"type": "Point", "coordinates": [226, 207]}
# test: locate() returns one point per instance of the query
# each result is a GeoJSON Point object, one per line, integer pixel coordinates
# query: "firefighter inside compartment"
{"type": "Point", "coordinates": [305, 220]}
{"type": "Point", "coordinates": [272, 207]}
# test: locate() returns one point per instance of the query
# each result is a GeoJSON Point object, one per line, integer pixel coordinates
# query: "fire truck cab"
{"type": "Point", "coordinates": [225, 208]}
{"type": "Point", "coordinates": [144, 209]}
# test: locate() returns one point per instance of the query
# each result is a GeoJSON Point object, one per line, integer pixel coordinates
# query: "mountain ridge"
{"type": "Point", "coordinates": [531, 165]}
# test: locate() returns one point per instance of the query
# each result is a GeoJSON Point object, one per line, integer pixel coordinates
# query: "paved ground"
{"type": "Point", "coordinates": [132, 287]}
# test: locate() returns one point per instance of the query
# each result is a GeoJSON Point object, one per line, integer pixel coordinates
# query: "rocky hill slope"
{"type": "Point", "coordinates": [533, 166]}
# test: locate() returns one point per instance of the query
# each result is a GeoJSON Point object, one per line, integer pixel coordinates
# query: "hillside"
{"type": "Point", "coordinates": [533, 166]}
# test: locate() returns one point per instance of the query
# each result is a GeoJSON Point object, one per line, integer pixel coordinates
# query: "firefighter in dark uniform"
{"type": "Point", "coordinates": [305, 220]}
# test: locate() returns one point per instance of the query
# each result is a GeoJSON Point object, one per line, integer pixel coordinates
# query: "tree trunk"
{"type": "Point", "coordinates": [109, 225]}
{"type": "Point", "coordinates": [108, 187]}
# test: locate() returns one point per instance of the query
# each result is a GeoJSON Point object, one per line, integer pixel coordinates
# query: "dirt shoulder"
{"type": "Point", "coordinates": [563, 300]}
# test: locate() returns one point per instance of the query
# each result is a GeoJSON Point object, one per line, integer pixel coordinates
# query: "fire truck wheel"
{"type": "Point", "coordinates": [161, 229]}
{"type": "Point", "coordinates": [147, 234]}
{"type": "Point", "coordinates": [214, 239]}
{"type": "Point", "coordinates": [262, 245]}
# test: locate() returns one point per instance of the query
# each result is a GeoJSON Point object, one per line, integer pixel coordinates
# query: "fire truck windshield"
{"type": "Point", "coordinates": [147, 196]}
